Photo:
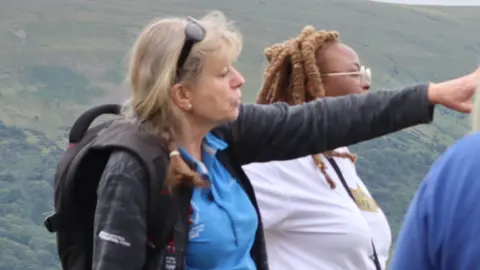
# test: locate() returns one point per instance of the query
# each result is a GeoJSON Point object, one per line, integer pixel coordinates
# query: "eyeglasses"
{"type": "Point", "coordinates": [194, 33]}
{"type": "Point", "coordinates": [365, 74]}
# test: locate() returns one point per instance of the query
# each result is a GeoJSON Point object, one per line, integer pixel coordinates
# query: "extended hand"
{"type": "Point", "coordinates": [455, 94]}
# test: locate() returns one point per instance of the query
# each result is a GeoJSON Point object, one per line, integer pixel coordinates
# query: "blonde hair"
{"type": "Point", "coordinates": [291, 64]}
{"type": "Point", "coordinates": [153, 71]}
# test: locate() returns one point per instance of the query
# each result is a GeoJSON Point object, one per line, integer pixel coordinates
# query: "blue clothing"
{"type": "Point", "coordinates": [442, 226]}
{"type": "Point", "coordinates": [224, 221]}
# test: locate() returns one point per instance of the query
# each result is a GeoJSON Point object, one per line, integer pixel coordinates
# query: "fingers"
{"type": "Point", "coordinates": [466, 107]}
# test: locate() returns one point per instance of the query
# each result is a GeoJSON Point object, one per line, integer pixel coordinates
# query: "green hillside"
{"type": "Point", "coordinates": [59, 57]}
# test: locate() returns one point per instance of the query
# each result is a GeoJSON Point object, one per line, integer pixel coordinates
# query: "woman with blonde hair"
{"type": "Point", "coordinates": [316, 210]}
{"type": "Point", "coordinates": [186, 92]}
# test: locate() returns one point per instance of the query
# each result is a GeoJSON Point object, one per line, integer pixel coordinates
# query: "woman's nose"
{"type": "Point", "coordinates": [238, 80]}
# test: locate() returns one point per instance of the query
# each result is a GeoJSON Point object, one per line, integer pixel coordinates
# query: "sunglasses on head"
{"type": "Point", "coordinates": [194, 33]}
{"type": "Point", "coordinates": [365, 74]}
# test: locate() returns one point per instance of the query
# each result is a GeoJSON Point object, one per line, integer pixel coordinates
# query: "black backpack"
{"type": "Point", "coordinates": [76, 181]}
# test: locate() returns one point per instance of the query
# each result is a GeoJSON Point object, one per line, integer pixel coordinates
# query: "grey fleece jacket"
{"type": "Point", "coordinates": [261, 133]}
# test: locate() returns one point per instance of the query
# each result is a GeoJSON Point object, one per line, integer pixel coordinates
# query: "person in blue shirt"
{"type": "Point", "coordinates": [441, 230]}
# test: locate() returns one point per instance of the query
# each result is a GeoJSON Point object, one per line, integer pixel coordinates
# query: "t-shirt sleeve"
{"type": "Point", "coordinates": [441, 228]}
{"type": "Point", "coordinates": [272, 200]}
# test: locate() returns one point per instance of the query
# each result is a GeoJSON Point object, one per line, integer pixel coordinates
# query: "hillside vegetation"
{"type": "Point", "coordinates": [58, 58]}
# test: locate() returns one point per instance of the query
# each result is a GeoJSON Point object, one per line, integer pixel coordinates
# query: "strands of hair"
{"type": "Point", "coordinates": [293, 64]}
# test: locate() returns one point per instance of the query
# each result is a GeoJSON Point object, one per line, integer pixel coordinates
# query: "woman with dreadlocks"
{"type": "Point", "coordinates": [316, 211]}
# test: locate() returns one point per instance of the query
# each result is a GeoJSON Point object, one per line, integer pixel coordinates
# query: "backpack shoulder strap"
{"type": "Point", "coordinates": [332, 161]}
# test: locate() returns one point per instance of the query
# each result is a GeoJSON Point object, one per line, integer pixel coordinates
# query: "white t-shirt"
{"type": "Point", "coordinates": [308, 225]}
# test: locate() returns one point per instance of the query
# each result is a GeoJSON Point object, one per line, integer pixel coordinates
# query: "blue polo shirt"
{"type": "Point", "coordinates": [441, 230]}
{"type": "Point", "coordinates": [224, 221]}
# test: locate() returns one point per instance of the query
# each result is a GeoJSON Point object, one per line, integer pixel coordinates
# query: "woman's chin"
{"type": "Point", "coordinates": [232, 115]}
{"type": "Point", "coordinates": [235, 113]}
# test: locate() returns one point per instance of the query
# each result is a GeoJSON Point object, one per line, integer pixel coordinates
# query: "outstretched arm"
{"type": "Point", "coordinates": [281, 132]}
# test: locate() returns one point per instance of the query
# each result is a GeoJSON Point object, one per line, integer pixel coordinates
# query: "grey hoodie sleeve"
{"type": "Point", "coordinates": [120, 218]}
{"type": "Point", "coordinates": [281, 132]}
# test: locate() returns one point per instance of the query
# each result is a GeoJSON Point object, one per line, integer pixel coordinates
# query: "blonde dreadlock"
{"type": "Point", "coordinates": [292, 64]}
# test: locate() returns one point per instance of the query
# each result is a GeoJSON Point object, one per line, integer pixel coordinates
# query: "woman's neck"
{"type": "Point", "coordinates": [193, 148]}
{"type": "Point", "coordinates": [191, 139]}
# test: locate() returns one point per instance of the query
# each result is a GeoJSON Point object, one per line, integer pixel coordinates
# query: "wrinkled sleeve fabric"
{"type": "Point", "coordinates": [441, 228]}
{"type": "Point", "coordinates": [120, 230]}
{"type": "Point", "coordinates": [281, 132]}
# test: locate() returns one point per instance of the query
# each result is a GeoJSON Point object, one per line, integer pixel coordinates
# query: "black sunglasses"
{"type": "Point", "coordinates": [194, 33]}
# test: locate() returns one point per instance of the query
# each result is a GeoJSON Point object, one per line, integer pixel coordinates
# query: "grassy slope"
{"type": "Point", "coordinates": [84, 44]}
{"type": "Point", "coordinates": [92, 38]}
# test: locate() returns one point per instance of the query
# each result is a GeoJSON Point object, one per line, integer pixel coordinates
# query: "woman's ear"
{"type": "Point", "coordinates": [181, 96]}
